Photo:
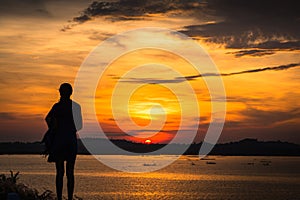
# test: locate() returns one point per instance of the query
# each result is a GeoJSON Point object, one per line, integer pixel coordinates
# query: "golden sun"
{"type": "Point", "coordinates": [148, 141]}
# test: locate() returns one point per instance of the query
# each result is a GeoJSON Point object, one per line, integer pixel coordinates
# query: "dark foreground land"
{"type": "Point", "coordinates": [246, 147]}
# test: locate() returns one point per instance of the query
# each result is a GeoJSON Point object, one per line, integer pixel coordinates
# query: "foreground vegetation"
{"type": "Point", "coordinates": [8, 184]}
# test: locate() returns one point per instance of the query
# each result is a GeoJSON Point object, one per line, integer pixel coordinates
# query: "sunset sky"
{"type": "Point", "coordinates": [255, 45]}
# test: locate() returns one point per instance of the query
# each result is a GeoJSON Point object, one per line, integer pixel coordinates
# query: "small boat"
{"type": "Point", "coordinates": [210, 163]}
{"type": "Point", "coordinates": [207, 158]}
{"type": "Point", "coordinates": [149, 164]}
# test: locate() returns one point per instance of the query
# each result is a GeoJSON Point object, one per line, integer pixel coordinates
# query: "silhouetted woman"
{"type": "Point", "coordinates": [65, 120]}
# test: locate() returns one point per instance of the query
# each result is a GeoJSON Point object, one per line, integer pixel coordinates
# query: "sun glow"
{"type": "Point", "coordinates": [153, 102]}
{"type": "Point", "coordinates": [151, 110]}
{"type": "Point", "coordinates": [148, 141]}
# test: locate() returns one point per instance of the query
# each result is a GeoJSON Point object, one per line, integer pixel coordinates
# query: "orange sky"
{"type": "Point", "coordinates": [37, 56]}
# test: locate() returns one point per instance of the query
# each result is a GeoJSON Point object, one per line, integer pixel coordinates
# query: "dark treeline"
{"type": "Point", "coordinates": [246, 147]}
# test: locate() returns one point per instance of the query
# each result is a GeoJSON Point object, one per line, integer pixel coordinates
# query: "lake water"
{"type": "Point", "coordinates": [187, 178]}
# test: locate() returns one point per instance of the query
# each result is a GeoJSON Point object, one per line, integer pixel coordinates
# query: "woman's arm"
{"type": "Point", "coordinates": [50, 117]}
{"type": "Point", "coordinates": [77, 116]}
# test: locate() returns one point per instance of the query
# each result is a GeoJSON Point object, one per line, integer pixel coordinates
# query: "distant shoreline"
{"type": "Point", "coordinates": [246, 147]}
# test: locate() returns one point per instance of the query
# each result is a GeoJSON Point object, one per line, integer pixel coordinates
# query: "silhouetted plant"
{"type": "Point", "coordinates": [13, 177]}
{"type": "Point", "coordinates": [10, 185]}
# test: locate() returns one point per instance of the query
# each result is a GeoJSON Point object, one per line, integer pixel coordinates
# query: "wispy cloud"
{"type": "Point", "coordinates": [276, 68]}
{"type": "Point", "coordinates": [4, 116]}
{"type": "Point", "coordinates": [252, 52]}
{"type": "Point", "coordinates": [193, 77]}
{"type": "Point", "coordinates": [256, 116]}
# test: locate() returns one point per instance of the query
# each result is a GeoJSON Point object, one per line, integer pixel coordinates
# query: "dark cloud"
{"type": "Point", "coordinates": [279, 45]}
{"type": "Point", "coordinates": [269, 24]}
{"type": "Point", "coordinates": [133, 9]}
{"type": "Point", "coordinates": [193, 77]}
{"type": "Point", "coordinates": [259, 27]}
{"type": "Point", "coordinates": [267, 48]}
{"type": "Point", "coordinates": [252, 52]}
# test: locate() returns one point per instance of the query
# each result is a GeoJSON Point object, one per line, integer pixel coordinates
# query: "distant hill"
{"type": "Point", "coordinates": [246, 147]}
{"type": "Point", "coordinates": [257, 148]}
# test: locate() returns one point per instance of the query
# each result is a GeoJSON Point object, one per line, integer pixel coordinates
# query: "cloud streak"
{"type": "Point", "coordinates": [276, 68]}
{"type": "Point", "coordinates": [252, 52]}
{"type": "Point", "coordinates": [193, 77]}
